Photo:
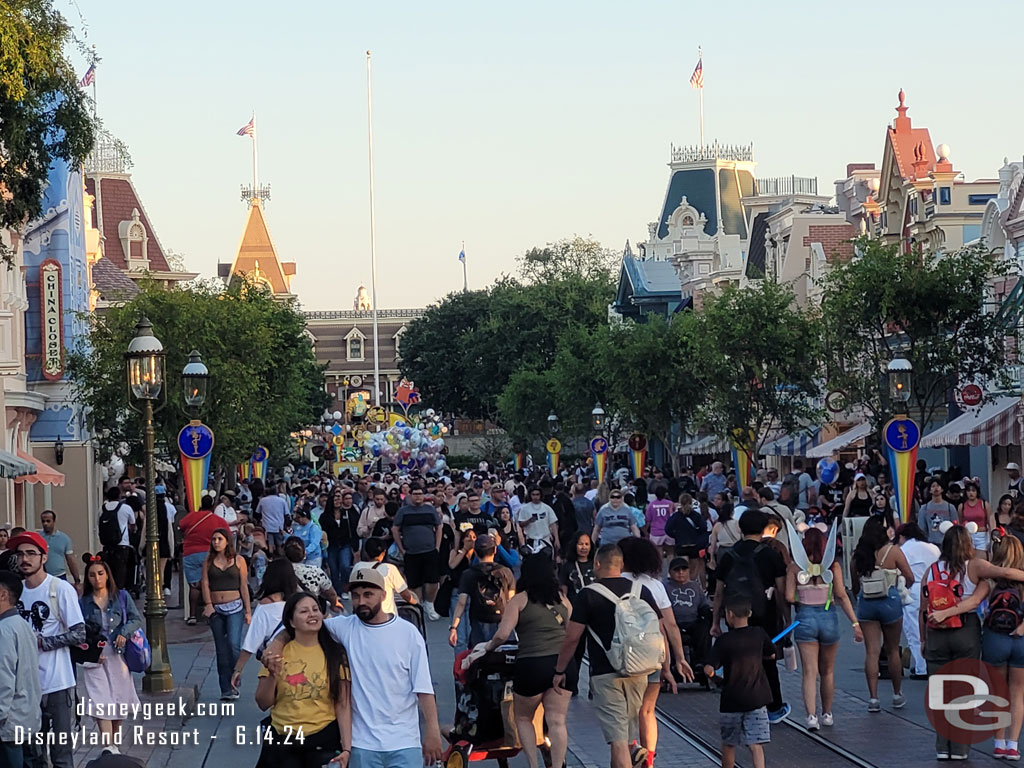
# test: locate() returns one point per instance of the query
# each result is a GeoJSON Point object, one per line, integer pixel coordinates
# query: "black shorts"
{"type": "Point", "coordinates": [687, 550]}
{"type": "Point", "coordinates": [533, 675]}
{"type": "Point", "coordinates": [422, 569]}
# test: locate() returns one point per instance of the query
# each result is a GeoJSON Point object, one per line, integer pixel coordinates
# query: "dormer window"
{"type": "Point", "coordinates": [134, 242]}
{"type": "Point", "coordinates": [354, 345]}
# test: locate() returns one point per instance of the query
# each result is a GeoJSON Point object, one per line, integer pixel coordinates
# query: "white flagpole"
{"type": "Point", "coordinates": [465, 274]}
{"type": "Point", "coordinates": [255, 161]}
{"type": "Point", "coordinates": [94, 68]}
{"type": "Point", "coordinates": [700, 59]}
{"type": "Point", "coordinates": [373, 238]}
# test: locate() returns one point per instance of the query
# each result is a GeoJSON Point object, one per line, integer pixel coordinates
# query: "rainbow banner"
{"type": "Point", "coordinates": [244, 471]}
{"type": "Point", "coordinates": [195, 441]}
{"type": "Point", "coordinates": [637, 454]}
{"type": "Point", "coordinates": [599, 447]}
{"type": "Point", "coordinates": [902, 436]}
{"type": "Point", "coordinates": [520, 461]}
{"type": "Point", "coordinates": [259, 461]}
{"type": "Point", "coordinates": [554, 447]}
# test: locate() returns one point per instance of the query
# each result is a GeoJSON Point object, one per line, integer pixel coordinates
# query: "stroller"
{"type": "Point", "coordinates": [485, 724]}
{"type": "Point", "coordinates": [414, 615]}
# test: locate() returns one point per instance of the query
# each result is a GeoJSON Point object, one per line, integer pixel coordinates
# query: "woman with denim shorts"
{"type": "Point", "coordinates": [1002, 650]}
{"type": "Point", "coordinates": [881, 618]}
{"type": "Point", "coordinates": [817, 634]}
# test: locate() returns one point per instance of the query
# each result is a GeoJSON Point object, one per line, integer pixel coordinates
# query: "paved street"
{"type": "Point", "coordinates": [689, 731]}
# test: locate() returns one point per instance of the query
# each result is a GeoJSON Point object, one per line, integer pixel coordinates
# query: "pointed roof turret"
{"type": "Point", "coordinates": [256, 257]}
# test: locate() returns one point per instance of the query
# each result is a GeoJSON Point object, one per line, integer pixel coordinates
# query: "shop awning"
{"type": "Point", "coordinates": [849, 437]}
{"type": "Point", "coordinates": [44, 474]}
{"type": "Point", "coordinates": [997, 423]}
{"type": "Point", "coordinates": [11, 466]}
{"type": "Point", "coordinates": [709, 445]}
{"type": "Point", "coordinates": [792, 445]}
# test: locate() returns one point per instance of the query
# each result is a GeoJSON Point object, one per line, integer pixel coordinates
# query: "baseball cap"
{"type": "Point", "coordinates": [160, 490]}
{"type": "Point", "coordinates": [28, 537]}
{"type": "Point", "coordinates": [1013, 465]}
{"type": "Point", "coordinates": [859, 476]}
{"type": "Point", "coordinates": [367, 576]}
{"type": "Point", "coordinates": [679, 562]}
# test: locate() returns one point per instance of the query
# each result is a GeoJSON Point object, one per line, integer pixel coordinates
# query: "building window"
{"type": "Point", "coordinates": [355, 348]}
{"type": "Point", "coordinates": [945, 196]}
{"type": "Point", "coordinates": [979, 199]}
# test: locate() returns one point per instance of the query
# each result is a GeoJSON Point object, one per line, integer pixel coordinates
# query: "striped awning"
{"type": "Point", "coordinates": [849, 437]}
{"type": "Point", "coordinates": [42, 473]}
{"type": "Point", "coordinates": [792, 445]}
{"type": "Point", "coordinates": [702, 446]}
{"type": "Point", "coordinates": [996, 423]}
{"type": "Point", "coordinates": [11, 466]}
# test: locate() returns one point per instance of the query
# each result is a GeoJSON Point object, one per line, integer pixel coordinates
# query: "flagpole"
{"type": "Point", "coordinates": [94, 118]}
{"type": "Point", "coordinates": [373, 236]}
{"type": "Point", "coordinates": [255, 160]}
{"type": "Point", "coordinates": [465, 274]}
{"type": "Point", "coordinates": [700, 58]}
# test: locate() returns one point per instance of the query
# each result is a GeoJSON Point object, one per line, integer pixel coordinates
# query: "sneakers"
{"type": "Point", "coordinates": [942, 755]}
{"type": "Point", "coordinates": [954, 756]}
{"type": "Point", "coordinates": [167, 591]}
{"type": "Point", "coordinates": [780, 714]}
{"type": "Point", "coordinates": [899, 701]}
{"type": "Point", "coordinates": [874, 705]}
{"type": "Point", "coordinates": [1010, 754]}
{"type": "Point", "coordinates": [637, 754]}
{"type": "Point", "coordinates": [812, 723]}
{"type": "Point", "coordinates": [827, 720]}
{"type": "Point", "coordinates": [430, 613]}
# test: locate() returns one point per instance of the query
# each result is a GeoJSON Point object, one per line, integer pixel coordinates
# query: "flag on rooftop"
{"type": "Point", "coordinates": [697, 78]}
{"type": "Point", "coordinates": [462, 255]}
{"type": "Point", "coordinates": [88, 77]}
{"type": "Point", "coordinates": [249, 129]}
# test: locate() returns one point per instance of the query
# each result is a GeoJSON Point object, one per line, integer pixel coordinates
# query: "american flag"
{"type": "Point", "coordinates": [697, 78]}
{"type": "Point", "coordinates": [88, 77]}
{"type": "Point", "coordinates": [249, 129]}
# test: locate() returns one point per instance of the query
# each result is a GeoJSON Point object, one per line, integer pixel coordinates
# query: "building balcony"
{"type": "Point", "coordinates": [714, 151]}
{"type": "Point", "coordinates": [780, 186]}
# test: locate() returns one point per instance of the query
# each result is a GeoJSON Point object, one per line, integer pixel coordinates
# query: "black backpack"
{"type": "Point", "coordinates": [491, 590]}
{"type": "Point", "coordinates": [1005, 611]}
{"type": "Point", "coordinates": [744, 580]}
{"type": "Point", "coordinates": [110, 528]}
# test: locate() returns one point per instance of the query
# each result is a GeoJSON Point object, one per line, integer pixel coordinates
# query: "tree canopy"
{"type": "Point", "coordinates": [265, 382]}
{"type": "Point", "coordinates": [889, 303]}
{"type": "Point", "coordinates": [43, 112]}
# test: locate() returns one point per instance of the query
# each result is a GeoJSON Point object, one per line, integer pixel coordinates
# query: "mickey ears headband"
{"type": "Point", "coordinates": [946, 525]}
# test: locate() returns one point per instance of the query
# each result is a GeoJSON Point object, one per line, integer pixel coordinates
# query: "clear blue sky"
{"type": "Point", "coordinates": [511, 125]}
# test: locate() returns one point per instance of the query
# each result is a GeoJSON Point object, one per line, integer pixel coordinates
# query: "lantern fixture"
{"type": "Point", "coordinates": [899, 373]}
{"type": "Point", "coordinates": [553, 425]}
{"type": "Point", "coordinates": [597, 418]}
{"type": "Point", "coordinates": [145, 362]}
{"type": "Point", "coordinates": [196, 378]}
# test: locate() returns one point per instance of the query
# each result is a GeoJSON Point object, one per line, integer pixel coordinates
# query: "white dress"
{"type": "Point", "coordinates": [109, 682]}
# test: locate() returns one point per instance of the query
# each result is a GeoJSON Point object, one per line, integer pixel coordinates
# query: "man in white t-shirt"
{"type": "Point", "coordinates": [373, 557]}
{"type": "Point", "coordinates": [117, 545]}
{"type": "Point", "coordinates": [538, 522]}
{"type": "Point", "coordinates": [50, 606]}
{"type": "Point", "coordinates": [393, 678]}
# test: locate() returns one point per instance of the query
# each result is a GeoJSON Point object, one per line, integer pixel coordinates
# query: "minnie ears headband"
{"type": "Point", "coordinates": [945, 525]}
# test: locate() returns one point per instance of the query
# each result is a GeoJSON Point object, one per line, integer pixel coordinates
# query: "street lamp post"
{"type": "Point", "coordinates": [145, 367]}
{"type": "Point", "coordinates": [553, 424]}
{"type": "Point", "coordinates": [554, 445]}
{"type": "Point", "coordinates": [195, 377]}
{"type": "Point", "coordinates": [597, 418]}
{"type": "Point", "coordinates": [599, 446]}
{"type": "Point", "coordinates": [901, 436]}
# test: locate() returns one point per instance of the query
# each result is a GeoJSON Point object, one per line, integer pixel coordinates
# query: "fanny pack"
{"type": "Point", "coordinates": [226, 609]}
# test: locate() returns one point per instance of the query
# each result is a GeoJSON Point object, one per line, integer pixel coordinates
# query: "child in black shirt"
{"type": "Point", "coordinates": [743, 717]}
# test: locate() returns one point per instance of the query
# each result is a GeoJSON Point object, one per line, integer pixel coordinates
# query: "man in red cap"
{"type": "Point", "coordinates": [51, 608]}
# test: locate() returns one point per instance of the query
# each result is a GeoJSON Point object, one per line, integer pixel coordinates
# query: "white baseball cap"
{"type": "Point", "coordinates": [1013, 465]}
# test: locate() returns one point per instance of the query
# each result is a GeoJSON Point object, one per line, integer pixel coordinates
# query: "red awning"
{"type": "Point", "coordinates": [44, 473]}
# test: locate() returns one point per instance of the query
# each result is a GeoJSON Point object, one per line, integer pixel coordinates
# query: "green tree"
{"type": "Point", "coordinates": [265, 381]}
{"type": "Point", "coordinates": [43, 113]}
{"type": "Point", "coordinates": [926, 308]}
{"type": "Point", "coordinates": [569, 257]}
{"type": "Point", "coordinates": [758, 355]}
{"type": "Point", "coordinates": [465, 350]}
{"type": "Point", "coordinates": [653, 379]}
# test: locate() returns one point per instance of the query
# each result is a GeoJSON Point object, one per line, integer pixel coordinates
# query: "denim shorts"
{"type": "Point", "coordinates": [745, 728]}
{"type": "Point", "coordinates": [817, 625]}
{"type": "Point", "coordinates": [194, 567]}
{"type": "Point", "coordinates": [998, 649]}
{"type": "Point", "coordinates": [397, 758]}
{"type": "Point", "coordinates": [884, 610]}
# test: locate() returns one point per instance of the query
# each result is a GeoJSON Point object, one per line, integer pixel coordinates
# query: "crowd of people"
{"type": "Point", "coordinates": [636, 585]}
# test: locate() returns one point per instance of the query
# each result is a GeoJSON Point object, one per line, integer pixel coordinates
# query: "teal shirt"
{"type": "Point", "coordinates": [59, 546]}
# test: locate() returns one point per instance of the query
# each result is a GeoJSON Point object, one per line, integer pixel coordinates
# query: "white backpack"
{"type": "Point", "coordinates": [638, 647]}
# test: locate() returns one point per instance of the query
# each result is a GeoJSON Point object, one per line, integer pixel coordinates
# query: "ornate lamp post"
{"type": "Point", "coordinates": [599, 446]}
{"type": "Point", "coordinates": [554, 445]}
{"type": "Point", "coordinates": [901, 436]}
{"type": "Point", "coordinates": [145, 367]}
{"type": "Point", "coordinates": [553, 424]}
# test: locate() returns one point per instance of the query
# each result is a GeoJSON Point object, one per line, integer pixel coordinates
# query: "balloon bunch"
{"type": "Point", "coordinates": [828, 470]}
{"type": "Point", "coordinates": [413, 444]}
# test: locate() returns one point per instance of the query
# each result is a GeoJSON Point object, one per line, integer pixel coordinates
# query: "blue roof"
{"type": "Point", "coordinates": [652, 278]}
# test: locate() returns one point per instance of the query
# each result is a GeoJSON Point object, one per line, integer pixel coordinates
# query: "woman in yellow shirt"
{"type": "Point", "coordinates": [306, 687]}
